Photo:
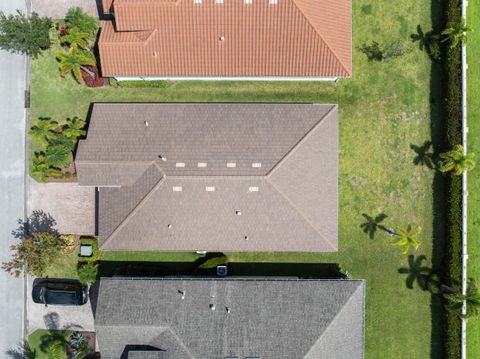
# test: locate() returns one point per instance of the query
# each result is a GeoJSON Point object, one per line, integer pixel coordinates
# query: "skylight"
{"type": "Point", "coordinates": [177, 188]}
{"type": "Point", "coordinates": [256, 165]}
{"type": "Point", "coordinates": [179, 164]}
{"type": "Point", "coordinates": [210, 189]}
{"type": "Point", "coordinates": [231, 164]}
{"type": "Point", "coordinates": [201, 164]}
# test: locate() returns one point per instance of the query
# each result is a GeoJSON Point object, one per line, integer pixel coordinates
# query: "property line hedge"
{"type": "Point", "coordinates": [453, 118]}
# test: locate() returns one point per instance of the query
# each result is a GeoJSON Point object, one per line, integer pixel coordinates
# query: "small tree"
{"type": "Point", "coordinates": [73, 61]}
{"type": "Point", "coordinates": [77, 39]}
{"type": "Point", "coordinates": [27, 35]}
{"type": "Point", "coordinates": [74, 128]}
{"type": "Point", "coordinates": [457, 33]}
{"type": "Point", "coordinates": [57, 155]}
{"type": "Point", "coordinates": [472, 299]}
{"type": "Point", "coordinates": [456, 161]}
{"type": "Point", "coordinates": [34, 253]}
{"type": "Point", "coordinates": [407, 237]}
{"type": "Point", "coordinates": [87, 272]}
{"type": "Point", "coordinates": [43, 131]}
{"type": "Point", "coordinates": [77, 18]}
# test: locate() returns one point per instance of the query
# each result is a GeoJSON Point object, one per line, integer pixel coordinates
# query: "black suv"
{"type": "Point", "coordinates": [60, 292]}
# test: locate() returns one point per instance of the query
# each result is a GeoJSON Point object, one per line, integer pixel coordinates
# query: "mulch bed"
{"type": "Point", "coordinates": [70, 169]}
{"type": "Point", "coordinates": [95, 81]}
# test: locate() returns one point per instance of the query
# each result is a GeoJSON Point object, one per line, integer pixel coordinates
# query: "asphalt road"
{"type": "Point", "coordinates": [12, 179]}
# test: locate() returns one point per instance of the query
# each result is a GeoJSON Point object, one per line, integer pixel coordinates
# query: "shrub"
{"type": "Point", "coordinates": [78, 19]}
{"type": "Point", "coordinates": [23, 34]}
{"type": "Point", "coordinates": [87, 272]}
{"type": "Point", "coordinates": [155, 83]}
{"type": "Point", "coordinates": [384, 53]}
{"type": "Point", "coordinates": [34, 253]}
{"type": "Point", "coordinates": [112, 81]}
{"type": "Point", "coordinates": [452, 275]}
{"type": "Point", "coordinates": [58, 155]}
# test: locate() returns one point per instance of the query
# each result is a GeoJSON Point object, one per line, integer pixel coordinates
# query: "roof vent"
{"type": "Point", "coordinates": [154, 54]}
{"type": "Point", "coordinates": [231, 164]}
{"type": "Point", "coordinates": [210, 189]}
{"type": "Point", "coordinates": [197, 1]}
{"type": "Point", "coordinates": [182, 293]}
{"type": "Point", "coordinates": [248, 2]}
{"type": "Point", "coordinates": [177, 188]}
{"type": "Point", "coordinates": [212, 306]}
{"type": "Point", "coordinates": [221, 38]}
{"type": "Point", "coordinates": [253, 189]}
{"type": "Point", "coordinates": [246, 238]}
{"type": "Point", "coordinates": [201, 164]}
{"type": "Point", "coordinates": [238, 213]}
{"type": "Point", "coordinates": [169, 226]}
{"type": "Point", "coordinates": [179, 164]}
{"type": "Point", "coordinates": [218, 1]}
{"type": "Point", "coordinates": [145, 123]}
{"type": "Point", "coordinates": [164, 159]}
{"type": "Point", "coordinates": [273, 2]}
{"type": "Point", "coordinates": [256, 165]}
{"type": "Point", "coordinates": [227, 309]}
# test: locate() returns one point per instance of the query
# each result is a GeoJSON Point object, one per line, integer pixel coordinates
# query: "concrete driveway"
{"type": "Point", "coordinates": [57, 316]}
{"type": "Point", "coordinates": [71, 207]}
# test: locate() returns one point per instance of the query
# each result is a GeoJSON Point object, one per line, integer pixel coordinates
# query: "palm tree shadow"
{"type": "Point", "coordinates": [373, 224]}
{"type": "Point", "coordinates": [425, 155]}
{"type": "Point", "coordinates": [428, 42]}
{"type": "Point", "coordinates": [424, 276]}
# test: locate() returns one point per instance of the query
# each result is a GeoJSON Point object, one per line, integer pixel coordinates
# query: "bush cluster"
{"type": "Point", "coordinates": [155, 83]}
{"type": "Point", "coordinates": [453, 117]}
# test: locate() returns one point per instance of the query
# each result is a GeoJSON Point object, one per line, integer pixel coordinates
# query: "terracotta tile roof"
{"type": "Point", "coordinates": [291, 38]}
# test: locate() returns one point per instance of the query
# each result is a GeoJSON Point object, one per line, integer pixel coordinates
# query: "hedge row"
{"type": "Point", "coordinates": [155, 83]}
{"type": "Point", "coordinates": [453, 117]}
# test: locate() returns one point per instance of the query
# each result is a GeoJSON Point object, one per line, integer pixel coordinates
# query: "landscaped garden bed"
{"type": "Point", "coordinates": [61, 344]}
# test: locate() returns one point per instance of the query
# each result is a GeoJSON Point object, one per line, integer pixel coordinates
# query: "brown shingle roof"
{"type": "Point", "coordinates": [292, 38]}
{"type": "Point", "coordinates": [284, 181]}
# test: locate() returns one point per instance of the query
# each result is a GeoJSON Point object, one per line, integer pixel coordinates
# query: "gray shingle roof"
{"type": "Point", "coordinates": [271, 319]}
{"type": "Point", "coordinates": [284, 181]}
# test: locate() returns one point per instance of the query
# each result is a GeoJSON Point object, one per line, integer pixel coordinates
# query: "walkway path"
{"type": "Point", "coordinates": [57, 9]}
{"type": "Point", "coordinates": [12, 175]}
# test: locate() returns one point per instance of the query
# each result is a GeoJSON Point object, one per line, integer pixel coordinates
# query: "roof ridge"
{"type": "Point", "coordinates": [301, 141]}
{"type": "Point", "coordinates": [361, 285]}
{"type": "Point", "coordinates": [301, 214]}
{"type": "Point", "coordinates": [139, 204]}
{"type": "Point", "coordinates": [299, 8]}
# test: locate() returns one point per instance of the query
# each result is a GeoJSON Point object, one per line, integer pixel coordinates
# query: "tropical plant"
{"type": "Point", "coordinates": [34, 253]}
{"type": "Point", "coordinates": [42, 171]}
{"type": "Point", "coordinates": [74, 128]}
{"type": "Point", "coordinates": [76, 39]}
{"type": "Point", "coordinates": [54, 344]}
{"type": "Point", "coordinates": [73, 61]}
{"type": "Point", "coordinates": [24, 34]}
{"type": "Point", "coordinates": [456, 161]}
{"type": "Point", "coordinates": [457, 33]}
{"type": "Point", "coordinates": [58, 155]}
{"type": "Point", "coordinates": [372, 224]}
{"type": "Point", "coordinates": [407, 237]}
{"type": "Point", "coordinates": [79, 346]}
{"type": "Point", "coordinates": [77, 18]}
{"type": "Point", "coordinates": [43, 131]}
{"type": "Point", "coordinates": [87, 272]}
{"type": "Point", "coordinates": [471, 298]}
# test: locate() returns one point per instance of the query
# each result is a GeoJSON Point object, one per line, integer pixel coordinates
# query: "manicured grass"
{"type": "Point", "coordinates": [473, 113]}
{"type": "Point", "coordinates": [42, 336]}
{"type": "Point", "coordinates": [384, 109]}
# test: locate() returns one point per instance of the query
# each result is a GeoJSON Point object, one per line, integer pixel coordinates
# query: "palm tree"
{"type": "Point", "coordinates": [456, 161]}
{"type": "Point", "coordinates": [74, 128]}
{"type": "Point", "coordinates": [73, 61]}
{"type": "Point", "coordinates": [457, 33]}
{"type": "Point", "coordinates": [416, 272]}
{"type": "Point", "coordinates": [76, 39]}
{"type": "Point", "coordinates": [57, 155]}
{"type": "Point", "coordinates": [472, 299]}
{"type": "Point", "coordinates": [43, 131]}
{"type": "Point", "coordinates": [42, 171]}
{"type": "Point", "coordinates": [372, 224]}
{"type": "Point", "coordinates": [407, 237]}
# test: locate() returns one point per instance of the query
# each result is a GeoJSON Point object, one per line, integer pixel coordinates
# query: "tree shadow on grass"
{"type": "Point", "coordinates": [424, 155]}
{"type": "Point", "coordinates": [39, 221]}
{"type": "Point", "coordinates": [425, 277]}
{"type": "Point", "coordinates": [373, 224]}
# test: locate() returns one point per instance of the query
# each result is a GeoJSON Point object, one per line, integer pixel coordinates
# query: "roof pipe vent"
{"type": "Point", "coordinates": [212, 306]}
{"type": "Point", "coordinates": [164, 159]}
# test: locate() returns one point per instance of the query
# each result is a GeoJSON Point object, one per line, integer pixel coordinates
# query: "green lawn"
{"type": "Point", "coordinates": [384, 109]}
{"type": "Point", "coordinates": [473, 113]}
{"type": "Point", "coordinates": [38, 341]}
